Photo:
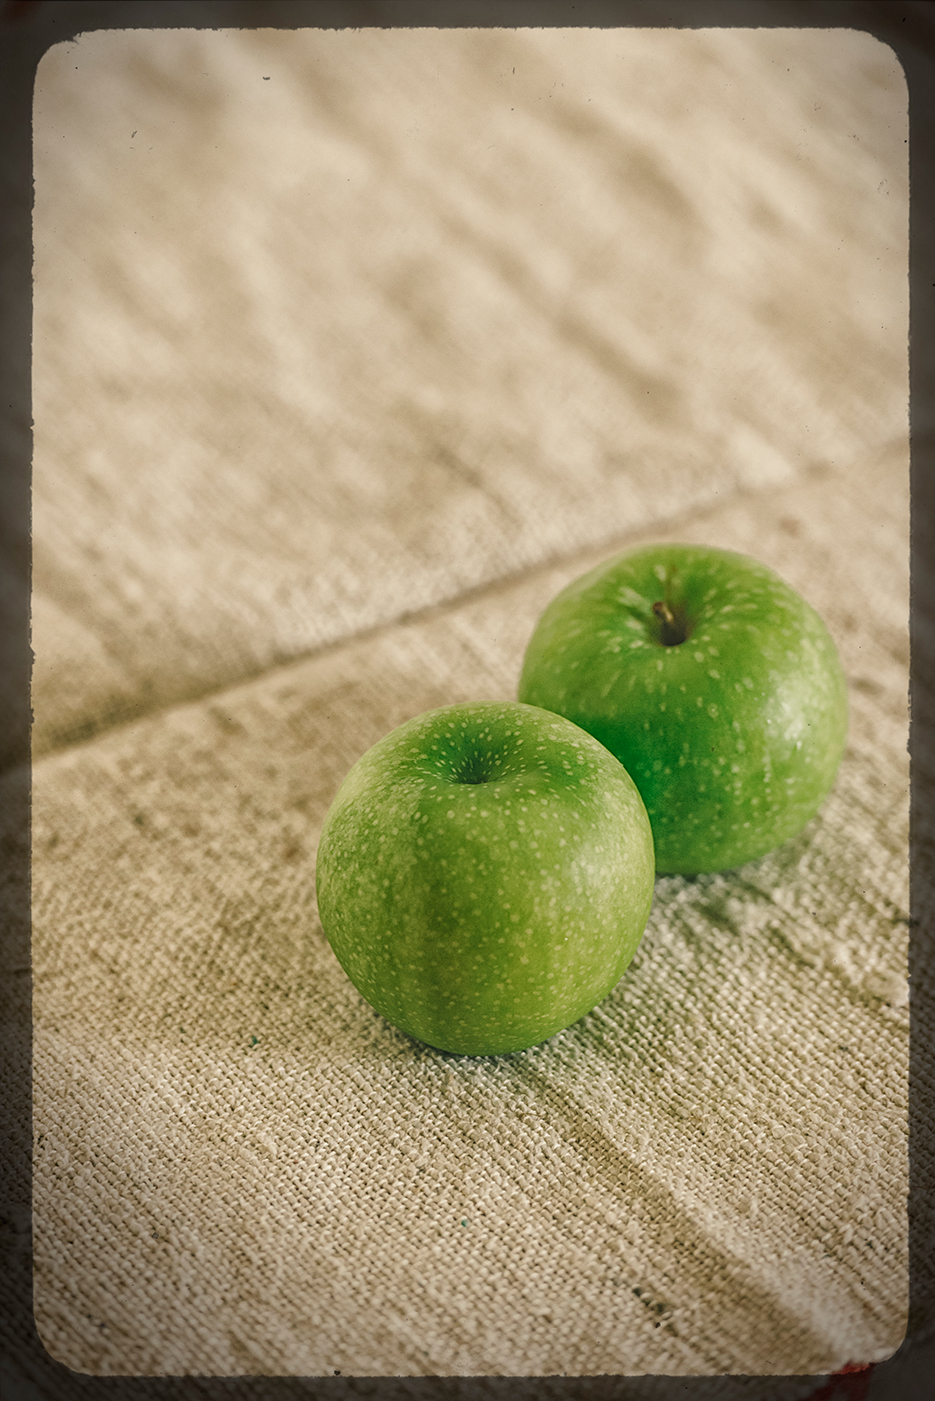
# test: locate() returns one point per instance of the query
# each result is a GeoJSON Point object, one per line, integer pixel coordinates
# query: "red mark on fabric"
{"type": "Point", "coordinates": [851, 1383]}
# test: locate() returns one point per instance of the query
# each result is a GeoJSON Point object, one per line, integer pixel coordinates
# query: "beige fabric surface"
{"type": "Point", "coordinates": [364, 339]}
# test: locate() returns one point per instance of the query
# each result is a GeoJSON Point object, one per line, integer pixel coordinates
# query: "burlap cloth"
{"type": "Point", "coordinates": [350, 349]}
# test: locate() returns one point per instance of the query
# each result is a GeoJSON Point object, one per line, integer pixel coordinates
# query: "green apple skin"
{"type": "Point", "coordinates": [484, 876]}
{"type": "Point", "coordinates": [733, 735]}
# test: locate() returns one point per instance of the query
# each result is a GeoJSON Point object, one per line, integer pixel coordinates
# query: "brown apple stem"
{"type": "Point", "coordinates": [671, 632]}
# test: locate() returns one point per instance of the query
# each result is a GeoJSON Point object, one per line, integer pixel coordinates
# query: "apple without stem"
{"type": "Point", "coordinates": [717, 687]}
{"type": "Point", "coordinates": [484, 876]}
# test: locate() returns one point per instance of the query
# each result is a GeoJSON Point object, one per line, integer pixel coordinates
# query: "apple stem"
{"type": "Point", "coordinates": [672, 631]}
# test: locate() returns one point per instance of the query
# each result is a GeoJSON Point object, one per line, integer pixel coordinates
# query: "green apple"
{"type": "Point", "coordinates": [484, 876]}
{"type": "Point", "coordinates": [717, 687]}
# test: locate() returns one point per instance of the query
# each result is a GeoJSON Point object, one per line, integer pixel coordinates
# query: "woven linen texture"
{"type": "Point", "coordinates": [351, 349]}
